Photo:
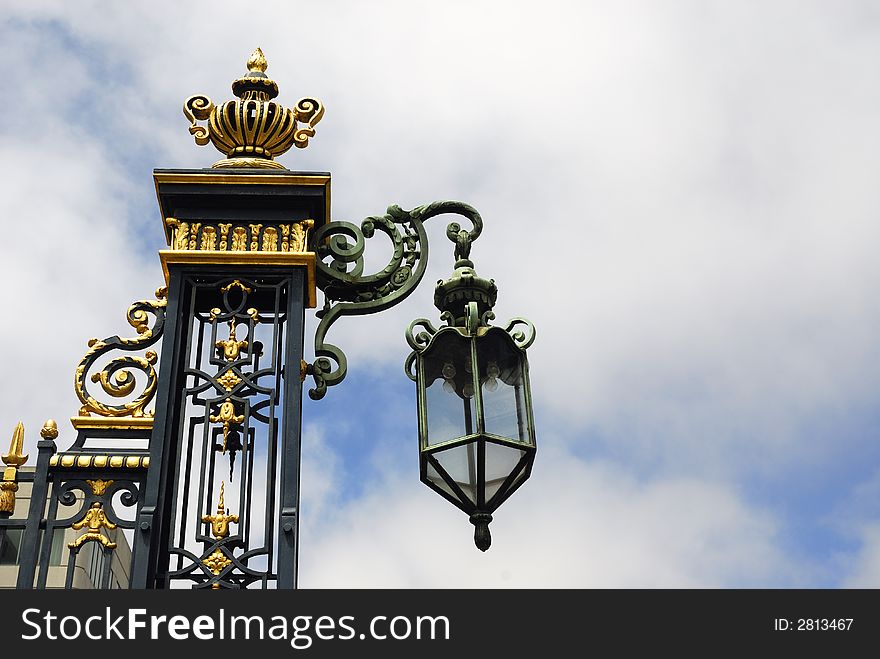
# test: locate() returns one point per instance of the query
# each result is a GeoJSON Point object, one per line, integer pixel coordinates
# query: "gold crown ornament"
{"type": "Point", "coordinates": [253, 130]}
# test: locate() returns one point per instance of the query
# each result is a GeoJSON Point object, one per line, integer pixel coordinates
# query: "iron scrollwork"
{"type": "Point", "coordinates": [116, 379]}
{"type": "Point", "coordinates": [348, 292]}
{"type": "Point", "coordinates": [94, 508]}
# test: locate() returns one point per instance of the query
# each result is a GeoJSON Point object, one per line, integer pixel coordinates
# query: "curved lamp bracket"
{"type": "Point", "coordinates": [348, 292]}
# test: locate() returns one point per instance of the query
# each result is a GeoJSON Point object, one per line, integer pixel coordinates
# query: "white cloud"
{"type": "Point", "coordinates": [572, 525]}
{"type": "Point", "coordinates": [71, 271]}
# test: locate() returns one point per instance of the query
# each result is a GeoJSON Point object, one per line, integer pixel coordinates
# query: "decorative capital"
{"type": "Point", "coordinates": [252, 130]}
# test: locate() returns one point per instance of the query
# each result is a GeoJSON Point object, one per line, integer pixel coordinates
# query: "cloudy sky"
{"type": "Point", "coordinates": [681, 196]}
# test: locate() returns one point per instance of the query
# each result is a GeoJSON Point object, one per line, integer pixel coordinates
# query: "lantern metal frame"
{"type": "Point", "coordinates": [519, 335]}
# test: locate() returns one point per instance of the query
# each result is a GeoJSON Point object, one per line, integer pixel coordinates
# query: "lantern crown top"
{"type": "Point", "coordinates": [253, 129]}
{"type": "Point", "coordinates": [454, 295]}
{"type": "Point", "coordinates": [465, 292]}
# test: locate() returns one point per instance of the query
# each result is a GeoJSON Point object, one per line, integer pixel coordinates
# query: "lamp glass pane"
{"type": "Point", "coordinates": [434, 476]}
{"type": "Point", "coordinates": [517, 481]}
{"type": "Point", "coordinates": [500, 463]}
{"type": "Point", "coordinates": [460, 463]}
{"type": "Point", "coordinates": [503, 387]}
{"type": "Point", "coordinates": [449, 390]}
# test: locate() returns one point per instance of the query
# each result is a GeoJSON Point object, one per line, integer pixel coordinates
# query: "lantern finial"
{"type": "Point", "coordinates": [482, 537]}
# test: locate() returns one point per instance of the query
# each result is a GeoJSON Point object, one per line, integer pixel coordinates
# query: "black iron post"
{"type": "Point", "coordinates": [247, 295]}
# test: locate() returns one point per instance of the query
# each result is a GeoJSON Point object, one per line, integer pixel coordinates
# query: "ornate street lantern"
{"type": "Point", "coordinates": [476, 432]}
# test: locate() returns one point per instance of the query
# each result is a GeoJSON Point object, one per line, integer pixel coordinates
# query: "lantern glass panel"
{"type": "Point", "coordinates": [434, 476]}
{"type": "Point", "coordinates": [501, 461]}
{"type": "Point", "coordinates": [503, 387]}
{"type": "Point", "coordinates": [449, 389]}
{"type": "Point", "coordinates": [460, 462]}
{"type": "Point", "coordinates": [517, 481]}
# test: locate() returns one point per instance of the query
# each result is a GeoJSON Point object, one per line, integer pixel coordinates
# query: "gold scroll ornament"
{"type": "Point", "coordinates": [116, 379]}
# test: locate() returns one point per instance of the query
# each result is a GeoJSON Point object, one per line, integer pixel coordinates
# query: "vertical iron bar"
{"type": "Point", "coordinates": [106, 564]}
{"type": "Point", "coordinates": [274, 531]}
{"type": "Point", "coordinates": [30, 541]}
{"type": "Point", "coordinates": [280, 331]}
{"type": "Point", "coordinates": [49, 531]}
{"type": "Point", "coordinates": [72, 553]}
{"type": "Point", "coordinates": [291, 436]}
{"type": "Point", "coordinates": [181, 490]}
{"type": "Point", "coordinates": [151, 516]}
{"type": "Point", "coordinates": [468, 418]}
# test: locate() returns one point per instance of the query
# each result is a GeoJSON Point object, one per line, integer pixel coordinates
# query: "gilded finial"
{"type": "Point", "coordinates": [253, 129]}
{"type": "Point", "coordinates": [257, 62]}
{"type": "Point", "coordinates": [49, 429]}
{"type": "Point", "coordinates": [15, 458]}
